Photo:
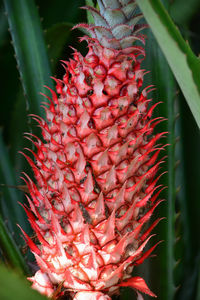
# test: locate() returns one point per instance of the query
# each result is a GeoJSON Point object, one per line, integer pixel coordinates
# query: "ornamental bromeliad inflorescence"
{"type": "Point", "coordinates": [96, 166]}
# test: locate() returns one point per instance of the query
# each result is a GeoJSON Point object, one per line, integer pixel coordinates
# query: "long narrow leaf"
{"type": "Point", "coordinates": [30, 50]}
{"type": "Point", "coordinates": [11, 210]}
{"type": "Point", "coordinates": [164, 82]}
{"type": "Point", "coordinates": [188, 199]}
{"type": "Point", "coordinates": [89, 16]}
{"type": "Point", "coordinates": [198, 287]}
{"type": "Point", "coordinates": [182, 11]}
{"type": "Point", "coordinates": [14, 287]}
{"type": "Point", "coordinates": [10, 250]}
{"type": "Point", "coordinates": [184, 64]}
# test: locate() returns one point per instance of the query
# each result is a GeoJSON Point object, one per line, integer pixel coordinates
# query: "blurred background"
{"type": "Point", "coordinates": [174, 271]}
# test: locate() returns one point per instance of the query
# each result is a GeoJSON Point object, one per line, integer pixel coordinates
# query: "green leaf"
{"type": "Point", "coordinates": [11, 210]}
{"type": "Point", "coordinates": [30, 50]}
{"type": "Point", "coordinates": [10, 249]}
{"type": "Point", "coordinates": [184, 64]}
{"type": "Point", "coordinates": [90, 18]}
{"type": "Point", "coordinates": [15, 287]}
{"type": "Point", "coordinates": [3, 26]}
{"type": "Point", "coordinates": [61, 11]}
{"type": "Point", "coordinates": [16, 136]}
{"type": "Point", "coordinates": [164, 82]}
{"type": "Point", "coordinates": [189, 145]}
{"type": "Point", "coordinates": [56, 37]}
{"type": "Point", "coordinates": [182, 11]}
{"type": "Point", "coordinates": [198, 286]}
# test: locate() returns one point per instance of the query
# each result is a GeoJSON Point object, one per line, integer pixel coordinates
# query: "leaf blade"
{"type": "Point", "coordinates": [165, 88]}
{"type": "Point", "coordinates": [10, 250]}
{"type": "Point", "coordinates": [11, 209]}
{"type": "Point", "coordinates": [30, 50]}
{"type": "Point", "coordinates": [13, 286]}
{"type": "Point", "coordinates": [184, 64]}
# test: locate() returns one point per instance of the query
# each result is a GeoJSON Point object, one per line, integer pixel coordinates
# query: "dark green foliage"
{"type": "Point", "coordinates": [27, 38]}
{"type": "Point", "coordinates": [14, 286]}
{"type": "Point", "coordinates": [9, 249]}
{"type": "Point", "coordinates": [165, 85]}
{"type": "Point", "coordinates": [183, 62]}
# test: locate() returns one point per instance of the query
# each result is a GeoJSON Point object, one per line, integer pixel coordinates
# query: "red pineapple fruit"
{"type": "Point", "coordinates": [96, 167]}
